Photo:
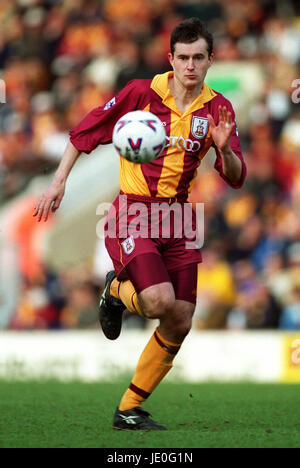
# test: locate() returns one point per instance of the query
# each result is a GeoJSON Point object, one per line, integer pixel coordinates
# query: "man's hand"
{"type": "Point", "coordinates": [221, 133]}
{"type": "Point", "coordinates": [50, 200]}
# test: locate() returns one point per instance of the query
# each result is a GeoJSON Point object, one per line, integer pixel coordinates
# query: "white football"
{"type": "Point", "coordinates": [139, 136]}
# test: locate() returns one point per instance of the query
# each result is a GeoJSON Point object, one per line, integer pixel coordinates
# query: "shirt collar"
{"type": "Point", "coordinates": [160, 84]}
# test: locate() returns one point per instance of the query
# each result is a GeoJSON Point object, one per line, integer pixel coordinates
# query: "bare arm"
{"type": "Point", "coordinates": [232, 166]}
{"type": "Point", "coordinates": [52, 197]}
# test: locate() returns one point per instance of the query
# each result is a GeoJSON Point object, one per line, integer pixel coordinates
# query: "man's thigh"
{"type": "Point", "coordinates": [150, 277]}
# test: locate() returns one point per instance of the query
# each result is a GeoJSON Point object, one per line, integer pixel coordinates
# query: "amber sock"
{"type": "Point", "coordinates": [125, 291]}
{"type": "Point", "coordinates": [155, 362]}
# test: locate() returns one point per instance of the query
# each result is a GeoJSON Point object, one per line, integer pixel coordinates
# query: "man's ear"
{"type": "Point", "coordinates": [211, 59]}
{"type": "Point", "coordinates": [171, 58]}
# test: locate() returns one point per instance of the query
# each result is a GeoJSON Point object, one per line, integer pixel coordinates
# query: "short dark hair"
{"type": "Point", "coordinates": [190, 30]}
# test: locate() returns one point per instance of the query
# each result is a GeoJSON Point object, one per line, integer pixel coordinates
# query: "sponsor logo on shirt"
{"type": "Point", "coordinates": [183, 143]}
{"type": "Point", "coordinates": [110, 104]}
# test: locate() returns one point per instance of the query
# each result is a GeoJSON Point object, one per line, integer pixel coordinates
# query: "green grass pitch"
{"type": "Point", "coordinates": [76, 414]}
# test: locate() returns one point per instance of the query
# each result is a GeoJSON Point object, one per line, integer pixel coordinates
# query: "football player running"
{"type": "Point", "coordinates": [157, 277]}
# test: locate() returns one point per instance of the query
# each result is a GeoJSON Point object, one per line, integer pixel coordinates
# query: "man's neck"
{"type": "Point", "coordinates": [182, 95]}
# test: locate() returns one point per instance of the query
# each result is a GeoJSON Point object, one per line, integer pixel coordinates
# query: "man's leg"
{"type": "Point", "coordinates": [175, 317]}
{"type": "Point", "coordinates": [125, 291]}
{"type": "Point", "coordinates": [143, 271]}
{"type": "Point", "coordinates": [157, 358]}
{"type": "Point", "coordinates": [155, 362]}
{"type": "Point", "coordinates": [171, 301]}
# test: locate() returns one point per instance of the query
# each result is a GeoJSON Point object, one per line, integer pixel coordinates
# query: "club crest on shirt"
{"type": "Point", "coordinates": [128, 245]}
{"type": "Point", "coordinates": [199, 127]}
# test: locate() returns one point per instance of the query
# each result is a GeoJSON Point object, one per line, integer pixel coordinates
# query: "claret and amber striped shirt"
{"type": "Point", "coordinates": [173, 173]}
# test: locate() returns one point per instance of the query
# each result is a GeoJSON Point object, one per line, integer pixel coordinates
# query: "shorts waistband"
{"type": "Point", "coordinates": [143, 198]}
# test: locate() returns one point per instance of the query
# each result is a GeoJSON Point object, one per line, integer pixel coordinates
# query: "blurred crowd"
{"type": "Point", "coordinates": [60, 58]}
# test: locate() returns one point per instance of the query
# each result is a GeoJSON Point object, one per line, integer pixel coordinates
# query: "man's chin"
{"type": "Point", "coordinates": [192, 82]}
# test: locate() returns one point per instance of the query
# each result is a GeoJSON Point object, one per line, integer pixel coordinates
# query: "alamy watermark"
{"type": "Point", "coordinates": [296, 94]}
{"type": "Point", "coordinates": [296, 352]}
{"type": "Point", "coordinates": [2, 92]}
{"type": "Point", "coordinates": [153, 220]}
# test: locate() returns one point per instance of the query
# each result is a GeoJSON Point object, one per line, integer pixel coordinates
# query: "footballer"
{"type": "Point", "coordinates": [157, 277]}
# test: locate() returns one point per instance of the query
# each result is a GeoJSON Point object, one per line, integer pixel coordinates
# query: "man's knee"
{"type": "Point", "coordinates": [177, 325]}
{"type": "Point", "coordinates": [156, 301]}
{"type": "Point", "coordinates": [182, 328]}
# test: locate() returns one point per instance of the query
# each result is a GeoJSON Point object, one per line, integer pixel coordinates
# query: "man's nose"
{"type": "Point", "coordinates": [190, 64]}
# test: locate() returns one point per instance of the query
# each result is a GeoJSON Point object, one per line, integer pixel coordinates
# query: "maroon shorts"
{"type": "Point", "coordinates": [137, 225]}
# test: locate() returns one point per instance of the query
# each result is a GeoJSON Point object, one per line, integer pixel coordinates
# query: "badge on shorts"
{"type": "Point", "coordinates": [199, 127]}
{"type": "Point", "coordinates": [128, 245]}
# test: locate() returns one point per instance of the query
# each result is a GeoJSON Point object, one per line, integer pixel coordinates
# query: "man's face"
{"type": "Point", "coordinates": [190, 62]}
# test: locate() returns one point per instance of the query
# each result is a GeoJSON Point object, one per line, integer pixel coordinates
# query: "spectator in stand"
{"type": "Point", "coordinates": [290, 318]}
{"type": "Point", "coordinates": [215, 290]}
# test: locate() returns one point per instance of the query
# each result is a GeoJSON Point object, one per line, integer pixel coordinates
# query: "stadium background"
{"type": "Point", "coordinates": [60, 59]}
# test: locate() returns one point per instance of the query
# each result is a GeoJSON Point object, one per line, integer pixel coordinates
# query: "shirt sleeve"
{"type": "Point", "coordinates": [97, 126]}
{"type": "Point", "coordinates": [236, 148]}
